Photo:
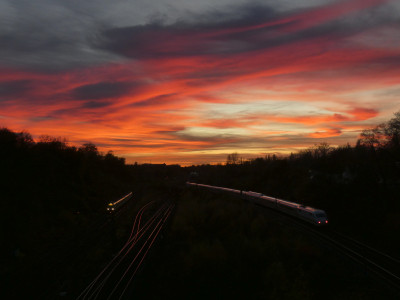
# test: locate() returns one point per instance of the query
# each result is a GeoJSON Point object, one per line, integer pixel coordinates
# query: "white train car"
{"type": "Point", "coordinates": [312, 215]}
{"type": "Point", "coordinates": [268, 201]}
{"type": "Point", "coordinates": [251, 196]}
{"type": "Point", "coordinates": [309, 214]}
{"type": "Point", "coordinates": [288, 207]}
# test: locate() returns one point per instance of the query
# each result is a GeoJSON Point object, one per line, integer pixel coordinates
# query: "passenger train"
{"type": "Point", "coordinates": [113, 206]}
{"type": "Point", "coordinates": [309, 214]}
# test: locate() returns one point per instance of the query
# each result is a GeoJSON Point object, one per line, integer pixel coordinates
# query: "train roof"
{"type": "Point", "coordinates": [120, 200]}
{"type": "Point", "coordinates": [254, 193]}
{"type": "Point", "coordinates": [311, 209]}
{"type": "Point", "coordinates": [288, 203]}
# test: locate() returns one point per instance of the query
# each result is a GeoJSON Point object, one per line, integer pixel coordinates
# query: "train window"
{"type": "Point", "coordinates": [320, 215]}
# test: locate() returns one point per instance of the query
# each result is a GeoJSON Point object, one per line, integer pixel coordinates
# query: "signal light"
{"type": "Point", "coordinates": [319, 222]}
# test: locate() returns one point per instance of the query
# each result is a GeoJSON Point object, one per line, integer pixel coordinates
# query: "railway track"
{"type": "Point", "coordinates": [381, 264]}
{"type": "Point", "coordinates": [114, 280]}
{"type": "Point", "coordinates": [378, 263]}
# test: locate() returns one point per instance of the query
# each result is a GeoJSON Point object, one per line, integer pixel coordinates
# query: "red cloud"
{"type": "Point", "coordinates": [326, 133]}
{"type": "Point", "coordinates": [361, 114]}
{"type": "Point", "coordinates": [145, 106]}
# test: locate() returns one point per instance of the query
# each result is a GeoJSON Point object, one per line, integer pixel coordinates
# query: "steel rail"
{"type": "Point", "coordinates": [133, 261]}
{"type": "Point", "coordinates": [151, 244]}
{"type": "Point", "coordinates": [324, 234]}
{"type": "Point", "coordinates": [134, 241]}
{"type": "Point", "coordinates": [363, 245]}
{"type": "Point", "coordinates": [121, 256]}
{"type": "Point", "coordinates": [87, 290]}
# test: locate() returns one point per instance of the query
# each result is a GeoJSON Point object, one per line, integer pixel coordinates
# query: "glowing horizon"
{"type": "Point", "coordinates": [190, 83]}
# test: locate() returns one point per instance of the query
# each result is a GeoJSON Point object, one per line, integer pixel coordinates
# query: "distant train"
{"type": "Point", "coordinates": [113, 206]}
{"type": "Point", "coordinates": [309, 214]}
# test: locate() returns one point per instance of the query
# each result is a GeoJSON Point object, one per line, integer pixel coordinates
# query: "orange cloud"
{"type": "Point", "coordinates": [187, 78]}
{"type": "Point", "coordinates": [326, 133]}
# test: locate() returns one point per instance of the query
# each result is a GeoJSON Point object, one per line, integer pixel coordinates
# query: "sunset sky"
{"type": "Point", "coordinates": [185, 81]}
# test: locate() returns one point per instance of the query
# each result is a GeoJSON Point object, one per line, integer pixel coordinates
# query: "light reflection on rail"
{"type": "Point", "coordinates": [115, 278]}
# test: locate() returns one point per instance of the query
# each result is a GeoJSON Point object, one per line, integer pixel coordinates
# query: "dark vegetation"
{"type": "Point", "coordinates": [54, 195]}
{"type": "Point", "coordinates": [48, 187]}
{"type": "Point", "coordinates": [54, 222]}
{"type": "Point", "coordinates": [219, 247]}
{"type": "Point", "coordinates": [357, 186]}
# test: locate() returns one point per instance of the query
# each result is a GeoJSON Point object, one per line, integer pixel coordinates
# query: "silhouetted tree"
{"type": "Point", "coordinates": [321, 150]}
{"type": "Point", "coordinates": [392, 130]}
{"type": "Point", "coordinates": [384, 135]}
{"type": "Point", "coordinates": [89, 148]}
{"type": "Point", "coordinates": [371, 137]}
{"type": "Point", "coordinates": [233, 159]}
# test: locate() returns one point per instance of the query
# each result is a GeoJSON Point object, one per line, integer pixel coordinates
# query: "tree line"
{"type": "Point", "coordinates": [356, 185]}
{"type": "Point", "coordinates": [51, 191]}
